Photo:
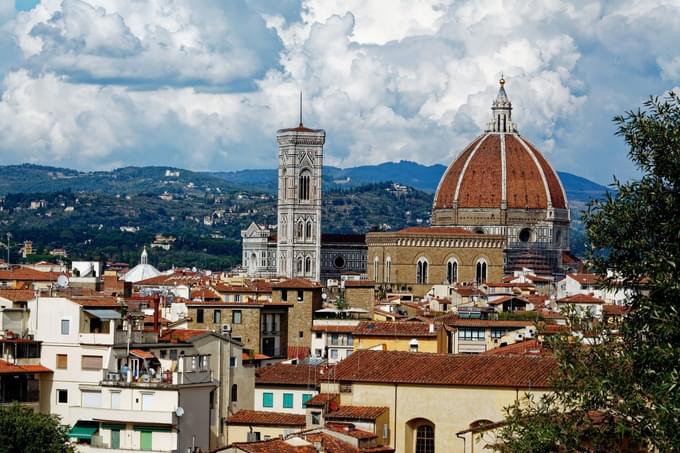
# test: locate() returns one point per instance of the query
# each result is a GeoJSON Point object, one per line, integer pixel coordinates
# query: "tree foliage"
{"type": "Point", "coordinates": [24, 431]}
{"type": "Point", "coordinates": [620, 392]}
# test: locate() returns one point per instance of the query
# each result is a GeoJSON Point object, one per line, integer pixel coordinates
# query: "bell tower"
{"type": "Point", "coordinates": [298, 242]}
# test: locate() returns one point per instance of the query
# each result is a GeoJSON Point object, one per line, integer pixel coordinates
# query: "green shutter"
{"type": "Point", "coordinates": [267, 399]}
{"type": "Point", "coordinates": [287, 400]}
{"type": "Point", "coordinates": [306, 397]}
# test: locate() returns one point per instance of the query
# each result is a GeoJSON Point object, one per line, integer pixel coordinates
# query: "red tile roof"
{"type": "Point", "coordinates": [615, 310]}
{"type": "Point", "coordinates": [446, 369]}
{"type": "Point", "coordinates": [527, 347]}
{"type": "Point", "coordinates": [298, 352]}
{"type": "Point", "coordinates": [356, 413]}
{"type": "Point", "coordinates": [10, 368]}
{"type": "Point", "coordinates": [393, 329]}
{"type": "Point", "coordinates": [455, 321]}
{"type": "Point", "coordinates": [349, 429]}
{"type": "Point", "coordinates": [205, 294]}
{"type": "Point", "coordinates": [287, 374]}
{"type": "Point", "coordinates": [17, 295]}
{"type": "Point", "coordinates": [301, 283]}
{"type": "Point", "coordinates": [265, 418]}
{"type": "Point", "coordinates": [142, 354]}
{"type": "Point", "coordinates": [28, 274]}
{"type": "Point", "coordinates": [182, 335]}
{"type": "Point", "coordinates": [322, 399]}
{"type": "Point", "coordinates": [580, 299]}
{"type": "Point", "coordinates": [96, 302]}
{"type": "Point", "coordinates": [586, 279]}
{"type": "Point", "coordinates": [503, 299]}
{"type": "Point", "coordinates": [273, 446]}
{"type": "Point", "coordinates": [257, 356]}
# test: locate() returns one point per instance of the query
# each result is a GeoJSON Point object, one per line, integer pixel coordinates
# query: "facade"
{"type": "Point", "coordinates": [416, 258]}
{"type": "Point", "coordinates": [332, 339]}
{"type": "Point", "coordinates": [304, 297]}
{"type": "Point", "coordinates": [286, 388]}
{"type": "Point", "coordinates": [404, 336]}
{"type": "Point", "coordinates": [431, 397]}
{"type": "Point", "coordinates": [299, 202]}
{"type": "Point", "coordinates": [501, 184]}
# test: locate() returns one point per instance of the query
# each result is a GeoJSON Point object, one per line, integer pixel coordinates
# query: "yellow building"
{"type": "Point", "coordinates": [400, 336]}
{"type": "Point", "coordinates": [431, 397]}
{"type": "Point", "coordinates": [250, 426]}
{"type": "Point", "coordinates": [416, 258]}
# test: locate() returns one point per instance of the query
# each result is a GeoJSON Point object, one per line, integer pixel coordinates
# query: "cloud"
{"type": "Point", "coordinates": [101, 83]}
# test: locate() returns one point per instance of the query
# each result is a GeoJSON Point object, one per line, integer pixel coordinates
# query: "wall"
{"type": "Point", "coordinates": [239, 433]}
{"type": "Point", "coordinates": [194, 425]}
{"type": "Point", "coordinates": [450, 409]}
{"type": "Point", "coordinates": [248, 330]}
{"type": "Point", "coordinates": [425, 344]}
{"type": "Point", "coordinates": [278, 392]}
{"type": "Point", "coordinates": [360, 298]}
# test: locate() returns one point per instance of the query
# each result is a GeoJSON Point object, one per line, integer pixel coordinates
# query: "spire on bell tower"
{"type": "Point", "coordinates": [501, 111]}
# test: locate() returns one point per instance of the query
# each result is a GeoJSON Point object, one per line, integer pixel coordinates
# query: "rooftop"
{"type": "Point", "coordinates": [394, 329]}
{"type": "Point", "coordinates": [356, 413]}
{"type": "Point", "coordinates": [10, 368]}
{"type": "Point", "coordinates": [266, 418]}
{"type": "Point", "coordinates": [288, 374]}
{"type": "Point", "coordinates": [394, 367]}
{"type": "Point", "coordinates": [297, 283]}
{"type": "Point", "coordinates": [580, 299]}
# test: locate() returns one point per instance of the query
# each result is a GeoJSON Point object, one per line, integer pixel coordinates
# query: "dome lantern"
{"type": "Point", "coordinates": [501, 112]}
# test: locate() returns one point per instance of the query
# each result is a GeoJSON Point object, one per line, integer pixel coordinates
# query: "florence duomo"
{"type": "Point", "coordinates": [439, 226]}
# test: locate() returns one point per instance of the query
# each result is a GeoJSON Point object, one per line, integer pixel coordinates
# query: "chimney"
{"type": "Point", "coordinates": [156, 314]}
{"type": "Point", "coordinates": [431, 328]}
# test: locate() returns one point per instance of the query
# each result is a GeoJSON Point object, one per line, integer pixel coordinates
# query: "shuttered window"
{"type": "Point", "coordinates": [62, 361]}
{"type": "Point", "coordinates": [91, 362]}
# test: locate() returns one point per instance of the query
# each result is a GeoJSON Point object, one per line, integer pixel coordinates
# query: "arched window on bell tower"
{"type": "Point", "coordinates": [303, 186]}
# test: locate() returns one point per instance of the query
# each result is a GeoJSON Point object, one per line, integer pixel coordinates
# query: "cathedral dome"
{"type": "Point", "coordinates": [500, 169]}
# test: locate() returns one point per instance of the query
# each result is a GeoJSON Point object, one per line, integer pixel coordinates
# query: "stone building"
{"type": "Point", "coordinates": [501, 184]}
{"type": "Point", "coordinates": [416, 258]}
{"type": "Point", "coordinates": [304, 297]}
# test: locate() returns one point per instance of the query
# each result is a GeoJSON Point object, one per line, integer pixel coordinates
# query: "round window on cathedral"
{"type": "Point", "coordinates": [525, 235]}
{"type": "Point", "coordinates": [339, 262]}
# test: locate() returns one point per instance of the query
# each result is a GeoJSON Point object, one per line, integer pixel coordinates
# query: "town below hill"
{"type": "Point", "coordinates": [195, 218]}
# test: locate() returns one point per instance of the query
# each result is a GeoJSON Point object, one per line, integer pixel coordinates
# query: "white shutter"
{"type": "Point", "coordinates": [91, 399]}
{"type": "Point", "coordinates": [147, 401]}
{"type": "Point", "coordinates": [115, 400]}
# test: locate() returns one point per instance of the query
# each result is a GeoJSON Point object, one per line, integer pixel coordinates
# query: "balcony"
{"type": "Point", "coordinates": [193, 369]}
{"type": "Point", "coordinates": [96, 338]}
{"type": "Point", "coordinates": [121, 415]}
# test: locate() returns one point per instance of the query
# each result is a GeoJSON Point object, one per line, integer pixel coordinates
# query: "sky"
{"type": "Point", "coordinates": [205, 84]}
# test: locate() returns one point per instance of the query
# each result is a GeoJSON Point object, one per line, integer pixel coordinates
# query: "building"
{"type": "Point", "coordinates": [416, 258]}
{"type": "Point", "coordinates": [142, 271]}
{"type": "Point", "coordinates": [500, 184]}
{"type": "Point", "coordinates": [431, 397]}
{"type": "Point", "coordinates": [305, 298]}
{"type": "Point", "coordinates": [286, 388]}
{"type": "Point", "coordinates": [406, 336]}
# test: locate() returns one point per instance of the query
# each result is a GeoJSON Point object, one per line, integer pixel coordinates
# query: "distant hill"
{"type": "Point", "coordinates": [422, 177]}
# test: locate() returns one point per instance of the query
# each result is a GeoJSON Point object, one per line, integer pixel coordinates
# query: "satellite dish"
{"type": "Point", "coordinates": [179, 411]}
{"type": "Point", "coordinates": [194, 270]}
{"type": "Point", "coordinates": [324, 296]}
{"type": "Point", "coordinates": [62, 281]}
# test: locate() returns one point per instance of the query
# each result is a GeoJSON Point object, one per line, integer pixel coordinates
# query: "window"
{"type": "Point", "coordinates": [299, 230]}
{"type": "Point", "coordinates": [525, 235]}
{"type": "Point", "coordinates": [232, 362]}
{"type": "Point", "coordinates": [91, 399]}
{"type": "Point", "coordinates": [334, 339]}
{"type": "Point", "coordinates": [481, 271]}
{"type": "Point", "coordinates": [425, 439]}
{"type": "Point", "coordinates": [301, 334]}
{"type": "Point", "coordinates": [234, 393]}
{"type": "Point", "coordinates": [164, 353]}
{"type": "Point", "coordinates": [318, 352]}
{"type": "Point", "coordinates": [334, 353]}
{"type": "Point", "coordinates": [300, 295]}
{"type": "Point", "coordinates": [308, 233]}
{"type": "Point", "coordinates": [91, 362]}
{"type": "Point", "coordinates": [115, 400]}
{"type": "Point", "coordinates": [452, 271]}
{"type": "Point", "coordinates": [376, 265]}
{"type": "Point", "coordinates": [217, 316]}
{"type": "Point", "coordinates": [306, 397]}
{"type": "Point", "coordinates": [388, 269]}
{"type": "Point", "coordinates": [199, 315]}
{"type": "Point", "coordinates": [316, 418]}
{"type": "Point", "coordinates": [304, 186]}
{"type": "Point", "coordinates": [65, 326]}
{"type": "Point", "coordinates": [308, 265]}
{"type": "Point", "coordinates": [299, 266]}
{"type": "Point", "coordinates": [497, 332]}
{"type": "Point", "coordinates": [267, 399]}
{"type": "Point", "coordinates": [62, 396]}
{"type": "Point", "coordinates": [173, 354]}
{"type": "Point", "coordinates": [287, 400]}
{"type": "Point", "coordinates": [62, 361]}
{"type": "Point", "coordinates": [471, 334]}
{"type": "Point", "coordinates": [236, 317]}
{"type": "Point", "coordinates": [318, 335]}
{"type": "Point", "coordinates": [284, 295]}
{"type": "Point", "coordinates": [421, 271]}
{"type": "Point", "coordinates": [147, 401]}
{"type": "Point", "coordinates": [350, 340]}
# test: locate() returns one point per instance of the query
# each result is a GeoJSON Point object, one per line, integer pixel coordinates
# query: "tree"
{"type": "Point", "coordinates": [621, 392]}
{"type": "Point", "coordinates": [25, 431]}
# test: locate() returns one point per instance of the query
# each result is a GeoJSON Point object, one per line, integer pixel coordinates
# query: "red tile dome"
{"type": "Point", "coordinates": [500, 169]}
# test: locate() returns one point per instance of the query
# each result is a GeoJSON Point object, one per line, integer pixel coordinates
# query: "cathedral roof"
{"type": "Point", "coordinates": [500, 168]}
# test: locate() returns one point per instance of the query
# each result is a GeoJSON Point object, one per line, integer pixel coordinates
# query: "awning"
{"type": "Point", "coordinates": [103, 313]}
{"type": "Point", "coordinates": [83, 430]}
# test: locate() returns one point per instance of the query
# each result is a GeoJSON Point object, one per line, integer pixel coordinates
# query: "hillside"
{"type": "Point", "coordinates": [113, 214]}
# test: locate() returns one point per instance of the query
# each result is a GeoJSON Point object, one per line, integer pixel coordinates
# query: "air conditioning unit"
{"type": "Point", "coordinates": [226, 329]}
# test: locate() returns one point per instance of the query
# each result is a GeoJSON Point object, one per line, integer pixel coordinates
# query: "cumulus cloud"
{"type": "Point", "coordinates": [101, 83]}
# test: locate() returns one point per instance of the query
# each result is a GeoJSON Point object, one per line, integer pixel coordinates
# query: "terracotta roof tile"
{"type": "Point", "coordinates": [447, 186]}
{"type": "Point", "coordinates": [142, 354]}
{"type": "Point", "coordinates": [333, 329]}
{"type": "Point", "coordinates": [295, 283]}
{"type": "Point", "coordinates": [27, 274]}
{"type": "Point", "coordinates": [394, 329]}
{"type": "Point", "coordinates": [615, 310]}
{"type": "Point", "coordinates": [288, 374]}
{"type": "Point", "coordinates": [580, 299]}
{"type": "Point", "coordinates": [586, 279]}
{"type": "Point", "coordinates": [503, 299]}
{"type": "Point", "coordinates": [446, 369]}
{"type": "Point", "coordinates": [480, 186]}
{"type": "Point", "coordinates": [299, 352]}
{"type": "Point", "coordinates": [359, 283]}
{"type": "Point", "coordinates": [17, 295]}
{"type": "Point", "coordinates": [322, 399]}
{"type": "Point", "coordinates": [10, 368]}
{"type": "Point", "coordinates": [96, 302]}
{"type": "Point", "coordinates": [527, 347]}
{"type": "Point", "coordinates": [356, 413]}
{"type": "Point", "coordinates": [182, 335]}
{"type": "Point", "coordinates": [266, 418]}
{"type": "Point", "coordinates": [454, 321]}
{"type": "Point", "coordinates": [349, 429]}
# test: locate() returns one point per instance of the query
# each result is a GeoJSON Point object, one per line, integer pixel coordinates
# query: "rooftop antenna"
{"type": "Point", "coordinates": [300, 108]}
